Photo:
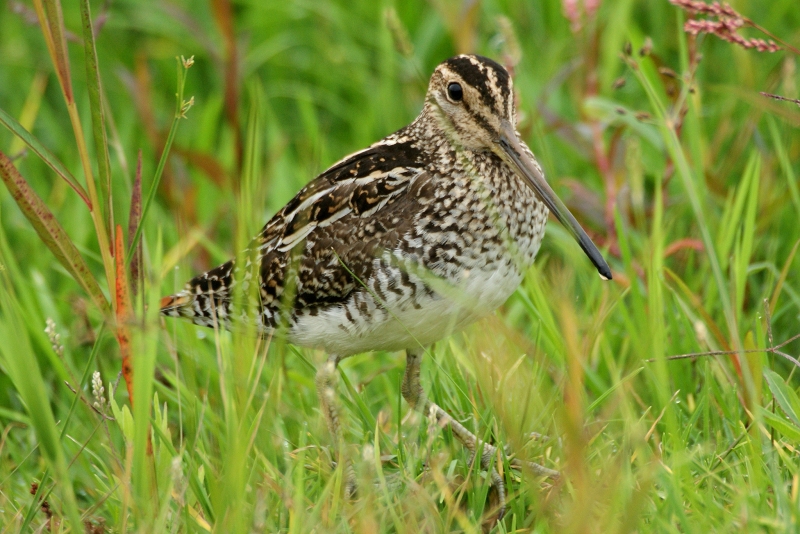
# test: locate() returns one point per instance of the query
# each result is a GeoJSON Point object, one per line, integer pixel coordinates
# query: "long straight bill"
{"type": "Point", "coordinates": [512, 153]}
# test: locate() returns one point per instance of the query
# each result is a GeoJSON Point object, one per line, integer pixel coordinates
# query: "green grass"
{"type": "Point", "coordinates": [689, 181]}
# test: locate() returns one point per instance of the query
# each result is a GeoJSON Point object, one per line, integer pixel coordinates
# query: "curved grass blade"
{"type": "Point", "coordinates": [48, 157]}
{"type": "Point", "coordinates": [787, 428]}
{"type": "Point", "coordinates": [784, 395]}
{"type": "Point", "coordinates": [50, 231]}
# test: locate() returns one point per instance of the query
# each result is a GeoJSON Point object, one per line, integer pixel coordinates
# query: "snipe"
{"type": "Point", "coordinates": [399, 244]}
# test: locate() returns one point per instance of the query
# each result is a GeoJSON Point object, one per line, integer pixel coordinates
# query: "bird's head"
{"type": "Point", "coordinates": [472, 99]}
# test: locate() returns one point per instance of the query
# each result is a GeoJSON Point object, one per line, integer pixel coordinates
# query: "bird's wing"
{"type": "Point", "coordinates": [320, 246]}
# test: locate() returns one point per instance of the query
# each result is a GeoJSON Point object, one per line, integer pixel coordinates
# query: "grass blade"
{"type": "Point", "coordinates": [123, 313]}
{"type": "Point", "coordinates": [181, 108]}
{"type": "Point", "coordinates": [30, 108]}
{"type": "Point", "coordinates": [50, 231]}
{"type": "Point", "coordinates": [784, 396]}
{"type": "Point", "coordinates": [781, 425]}
{"type": "Point", "coordinates": [51, 19]}
{"type": "Point", "coordinates": [134, 219]}
{"type": "Point", "coordinates": [98, 114]}
{"type": "Point", "coordinates": [694, 193]}
{"type": "Point", "coordinates": [785, 162]}
{"type": "Point", "coordinates": [21, 364]}
{"type": "Point", "coordinates": [48, 157]}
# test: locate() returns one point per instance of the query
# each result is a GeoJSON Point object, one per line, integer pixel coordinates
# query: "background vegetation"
{"type": "Point", "coordinates": [659, 141]}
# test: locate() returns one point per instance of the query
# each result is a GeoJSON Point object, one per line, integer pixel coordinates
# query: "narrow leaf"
{"type": "Point", "coordinates": [50, 231]}
{"type": "Point", "coordinates": [30, 109]}
{"type": "Point", "coordinates": [123, 312]}
{"type": "Point", "coordinates": [181, 108]}
{"type": "Point", "coordinates": [134, 218]}
{"type": "Point", "coordinates": [98, 114]}
{"type": "Point", "coordinates": [48, 157]}
{"type": "Point", "coordinates": [784, 396]}
{"type": "Point", "coordinates": [597, 402]}
{"type": "Point", "coordinates": [696, 196]}
{"type": "Point", "coordinates": [786, 163]}
{"type": "Point", "coordinates": [52, 22]}
{"type": "Point", "coordinates": [697, 305]}
{"type": "Point", "coordinates": [51, 19]}
{"type": "Point", "coordinates": [781, 425]}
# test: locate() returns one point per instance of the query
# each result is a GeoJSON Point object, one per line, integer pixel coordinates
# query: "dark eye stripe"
{"type": "Point", "coordinates": [478, 118]}
{"type": "Point", "coordinates": [473, 71]}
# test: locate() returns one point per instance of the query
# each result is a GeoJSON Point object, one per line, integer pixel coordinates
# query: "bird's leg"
{"type": "Point", "coordinates": [326, 390]}
{"type": "Point", "coordinates": [416, 398]}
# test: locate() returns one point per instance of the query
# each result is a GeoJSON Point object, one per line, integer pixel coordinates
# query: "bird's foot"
{"type": "Point", "coordinates": [350, 481]}
{"type": "Point", "coordinates": [488, 462]}
{"type": "Point", "coordinates": [350, 484]}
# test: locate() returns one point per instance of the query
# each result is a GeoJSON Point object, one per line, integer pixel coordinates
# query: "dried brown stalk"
{"type": "Point", "coordinates": [724, 22]}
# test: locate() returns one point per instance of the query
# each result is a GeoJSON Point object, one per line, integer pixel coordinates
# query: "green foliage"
{"type": "Point", "coordinates": [685, 174]}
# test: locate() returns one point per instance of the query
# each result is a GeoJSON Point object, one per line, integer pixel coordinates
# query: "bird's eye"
{"type": "Point", "coordinates": [455, 92]}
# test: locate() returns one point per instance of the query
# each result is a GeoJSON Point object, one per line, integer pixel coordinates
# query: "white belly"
{"type": "Point", "coordinates": [393, 321]}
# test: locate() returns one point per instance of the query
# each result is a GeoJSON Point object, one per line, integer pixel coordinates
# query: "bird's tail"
{"type": "Point", "coordinates": [204, 298]}
{"type": "Point", "coordinates": [178, 305]}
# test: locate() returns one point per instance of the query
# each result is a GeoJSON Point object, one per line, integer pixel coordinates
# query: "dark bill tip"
{"type": "Point", "coordinates": [512, 153]}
